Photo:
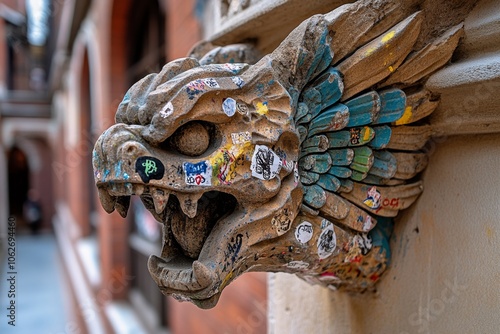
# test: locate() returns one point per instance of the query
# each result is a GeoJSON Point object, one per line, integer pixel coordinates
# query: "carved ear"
{"type": "Point", "coordinates": [207, 53]}
{"type": "Point", "coordinates": [129, 111]}
{"type": "Point", "coordinates": [234, 53]}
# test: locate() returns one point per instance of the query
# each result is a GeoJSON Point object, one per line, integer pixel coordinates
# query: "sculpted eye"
{"type": "Point", "coordinates": [193, 139]}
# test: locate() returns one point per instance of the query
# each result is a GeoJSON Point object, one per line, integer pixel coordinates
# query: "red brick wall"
{"type": "Point", "coordinates": [182, 28]}
{"type": "Point", "coordinates": [241, 309]}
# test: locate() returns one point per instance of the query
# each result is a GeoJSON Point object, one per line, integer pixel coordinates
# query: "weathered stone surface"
{"type": "Point", "coordinates": [261, 168]}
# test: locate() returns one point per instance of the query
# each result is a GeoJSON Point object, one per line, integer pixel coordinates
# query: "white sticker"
{"type": "Point", "coordinates": [304, 232]}
{"type": "Point", "coordinates": [363, 241]}
{"type": "Point", "coordinates": [233, 66]}
{"type": "Point", "coordinates": [211, 82]}
{"type": "Point", "coordinates": [282, 221]}
{"type": "Point", "coordinates": [167, 110]}
{"type": "Point", "coordinates": [238, 81]}
{"type": "Point", "coordinates": [265, 163]}
{"type": "Point", "coordinates": [299, 265]}
{"type": "Point", "coordinates": [229, 106]}
{"type": "Point", "coordinates": [327, 241]}
{"type": "Point", "coordinates": [240, 138]}
{"type": "Point", "coordinates": [198, 174]}
{"type": "Point", "coordinates": [367, 224]}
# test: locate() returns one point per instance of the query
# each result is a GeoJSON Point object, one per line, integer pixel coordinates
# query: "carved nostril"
{"type": "Point", "coordinates": [130, 149]}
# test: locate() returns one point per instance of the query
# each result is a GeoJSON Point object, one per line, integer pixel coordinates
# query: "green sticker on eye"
{"type": "Point", "coordinates": [149, 168]}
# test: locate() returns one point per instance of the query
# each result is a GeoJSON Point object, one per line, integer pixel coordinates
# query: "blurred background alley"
{"type": "Point", "coordinates": [64, 68]}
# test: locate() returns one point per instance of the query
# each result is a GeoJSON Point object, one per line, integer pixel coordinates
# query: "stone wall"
{"type": "Point", "coordinates": [444, 276]}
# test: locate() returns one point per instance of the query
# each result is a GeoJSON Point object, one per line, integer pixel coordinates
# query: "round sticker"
{"type": "Point", "coordinates": [304, 232]}
{"type": "Point", "coordinates": [229, 106]}
{"type": "Point", "coordinates": [149, 168]}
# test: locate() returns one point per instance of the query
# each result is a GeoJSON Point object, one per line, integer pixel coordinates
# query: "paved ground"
{"type": "Point", "coordinates": [39, 287]}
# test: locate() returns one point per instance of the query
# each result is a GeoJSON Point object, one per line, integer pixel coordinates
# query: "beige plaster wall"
{"type": "Point", "coordinates": [445, 275]}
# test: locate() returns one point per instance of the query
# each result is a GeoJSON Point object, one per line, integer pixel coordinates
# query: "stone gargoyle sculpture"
{"type": "Point", "coordinates": [297, 163]}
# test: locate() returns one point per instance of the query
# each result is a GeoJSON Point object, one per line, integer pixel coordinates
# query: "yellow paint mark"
{"type": "Point", "coordinates": [390, 35]}
{"type": "Point", "coordinates": [490, 233]}
{"type": "Point", "coordinates": [370, 51]}
{"type": "Point", "coordinates": [406, 116]}
{"type": "Point", "coordinates": [226, 280]}
{"type": "Point", "coordinates": [367, 134]}
{"type": "Point", "coordinates": [391, 68]}
{"type": "Point", "coordinates": [225, 162]}
{"type": "Point", "coordinates": [262, 108]}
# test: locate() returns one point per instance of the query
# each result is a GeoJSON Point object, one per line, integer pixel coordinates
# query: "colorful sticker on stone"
{"type": "Point", "coordinates": [360, 245]}
{"type": "Point", "coordinates": [372, 198]}
{"type": "Point", "coordinates": [227, 159]}
{"type": "Point", "coordinates": [240, 138]}
{"type": "Point", "coordinates": [265, 163]}
{"type": "Point", "coordinates": [211, 82]}
{"type": "Point", "coordinates": [304, 232]}
{"type": "Point", "coordinates": [225, 167]}
{"type": "Point", "coordinates": [364, 242]}
{"type": "Point", "coordinates": [238, 81]}
{"type": "Point", "coordinates": [229, 106]}
{"type": "Point", "coordinates": [327, 241]}
{"type": "Point", "coordinates": [149, 168]}
{"type": "Point", "coordinates": [199, 174]}
{"type": "Point", "coordinates": [235, 68]}
{"type": "Point", "coordinates": [167, 110]}
{"type": "Point", "coordinates": [355, 136]}
{"type": "Point", "coordinates": [298, 265]}
{"type": "Point", "coordinates": [261, 108]}
{"type": "Point", "coordinates": [282, 221]}
{"type": "Point", "coordinates": [199, 86]}
{"type": "Point", "coordinates": [287, 165]}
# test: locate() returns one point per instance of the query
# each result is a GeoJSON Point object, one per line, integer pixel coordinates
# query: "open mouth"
{"type": "Point", "coordinates": [188, 220]}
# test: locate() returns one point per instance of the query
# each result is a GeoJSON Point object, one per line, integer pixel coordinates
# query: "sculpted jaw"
{"type": "Point", "coordinates": [198, 198]}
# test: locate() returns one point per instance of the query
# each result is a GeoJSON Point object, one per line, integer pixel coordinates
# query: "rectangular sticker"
{"type": "Point", "coordinates": [198, 174]}
{"type": "Point", "coordinates": [265, 163]}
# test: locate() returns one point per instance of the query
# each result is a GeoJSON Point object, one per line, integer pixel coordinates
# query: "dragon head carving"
{"type": "Point", "coordinates": [291, 164]}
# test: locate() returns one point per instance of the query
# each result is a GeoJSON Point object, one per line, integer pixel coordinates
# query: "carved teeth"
{"type": "Point", "coordinates": [138, 189]}
{"type": "Point", "coordinates": [174, 275]}
{"type": "Point", "coordinates": [202, 274]}
{"type": "Point", "coordinates": [122, 205]}
{"type": "Point", "coordinates": [160, 199]}
{"type": "Point", "coordinates": [107, 200]}
{"type": "Point", "coordinates": [189, 203]}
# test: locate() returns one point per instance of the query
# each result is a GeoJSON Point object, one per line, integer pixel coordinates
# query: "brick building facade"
{"type": "Point", "coordinates": [95, 51]}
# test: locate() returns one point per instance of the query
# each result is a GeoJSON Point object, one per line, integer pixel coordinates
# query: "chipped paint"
{"type": "Point", "coordinates": [387, 37]}
{"type": "Point", "coordinates": [406, 116]}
